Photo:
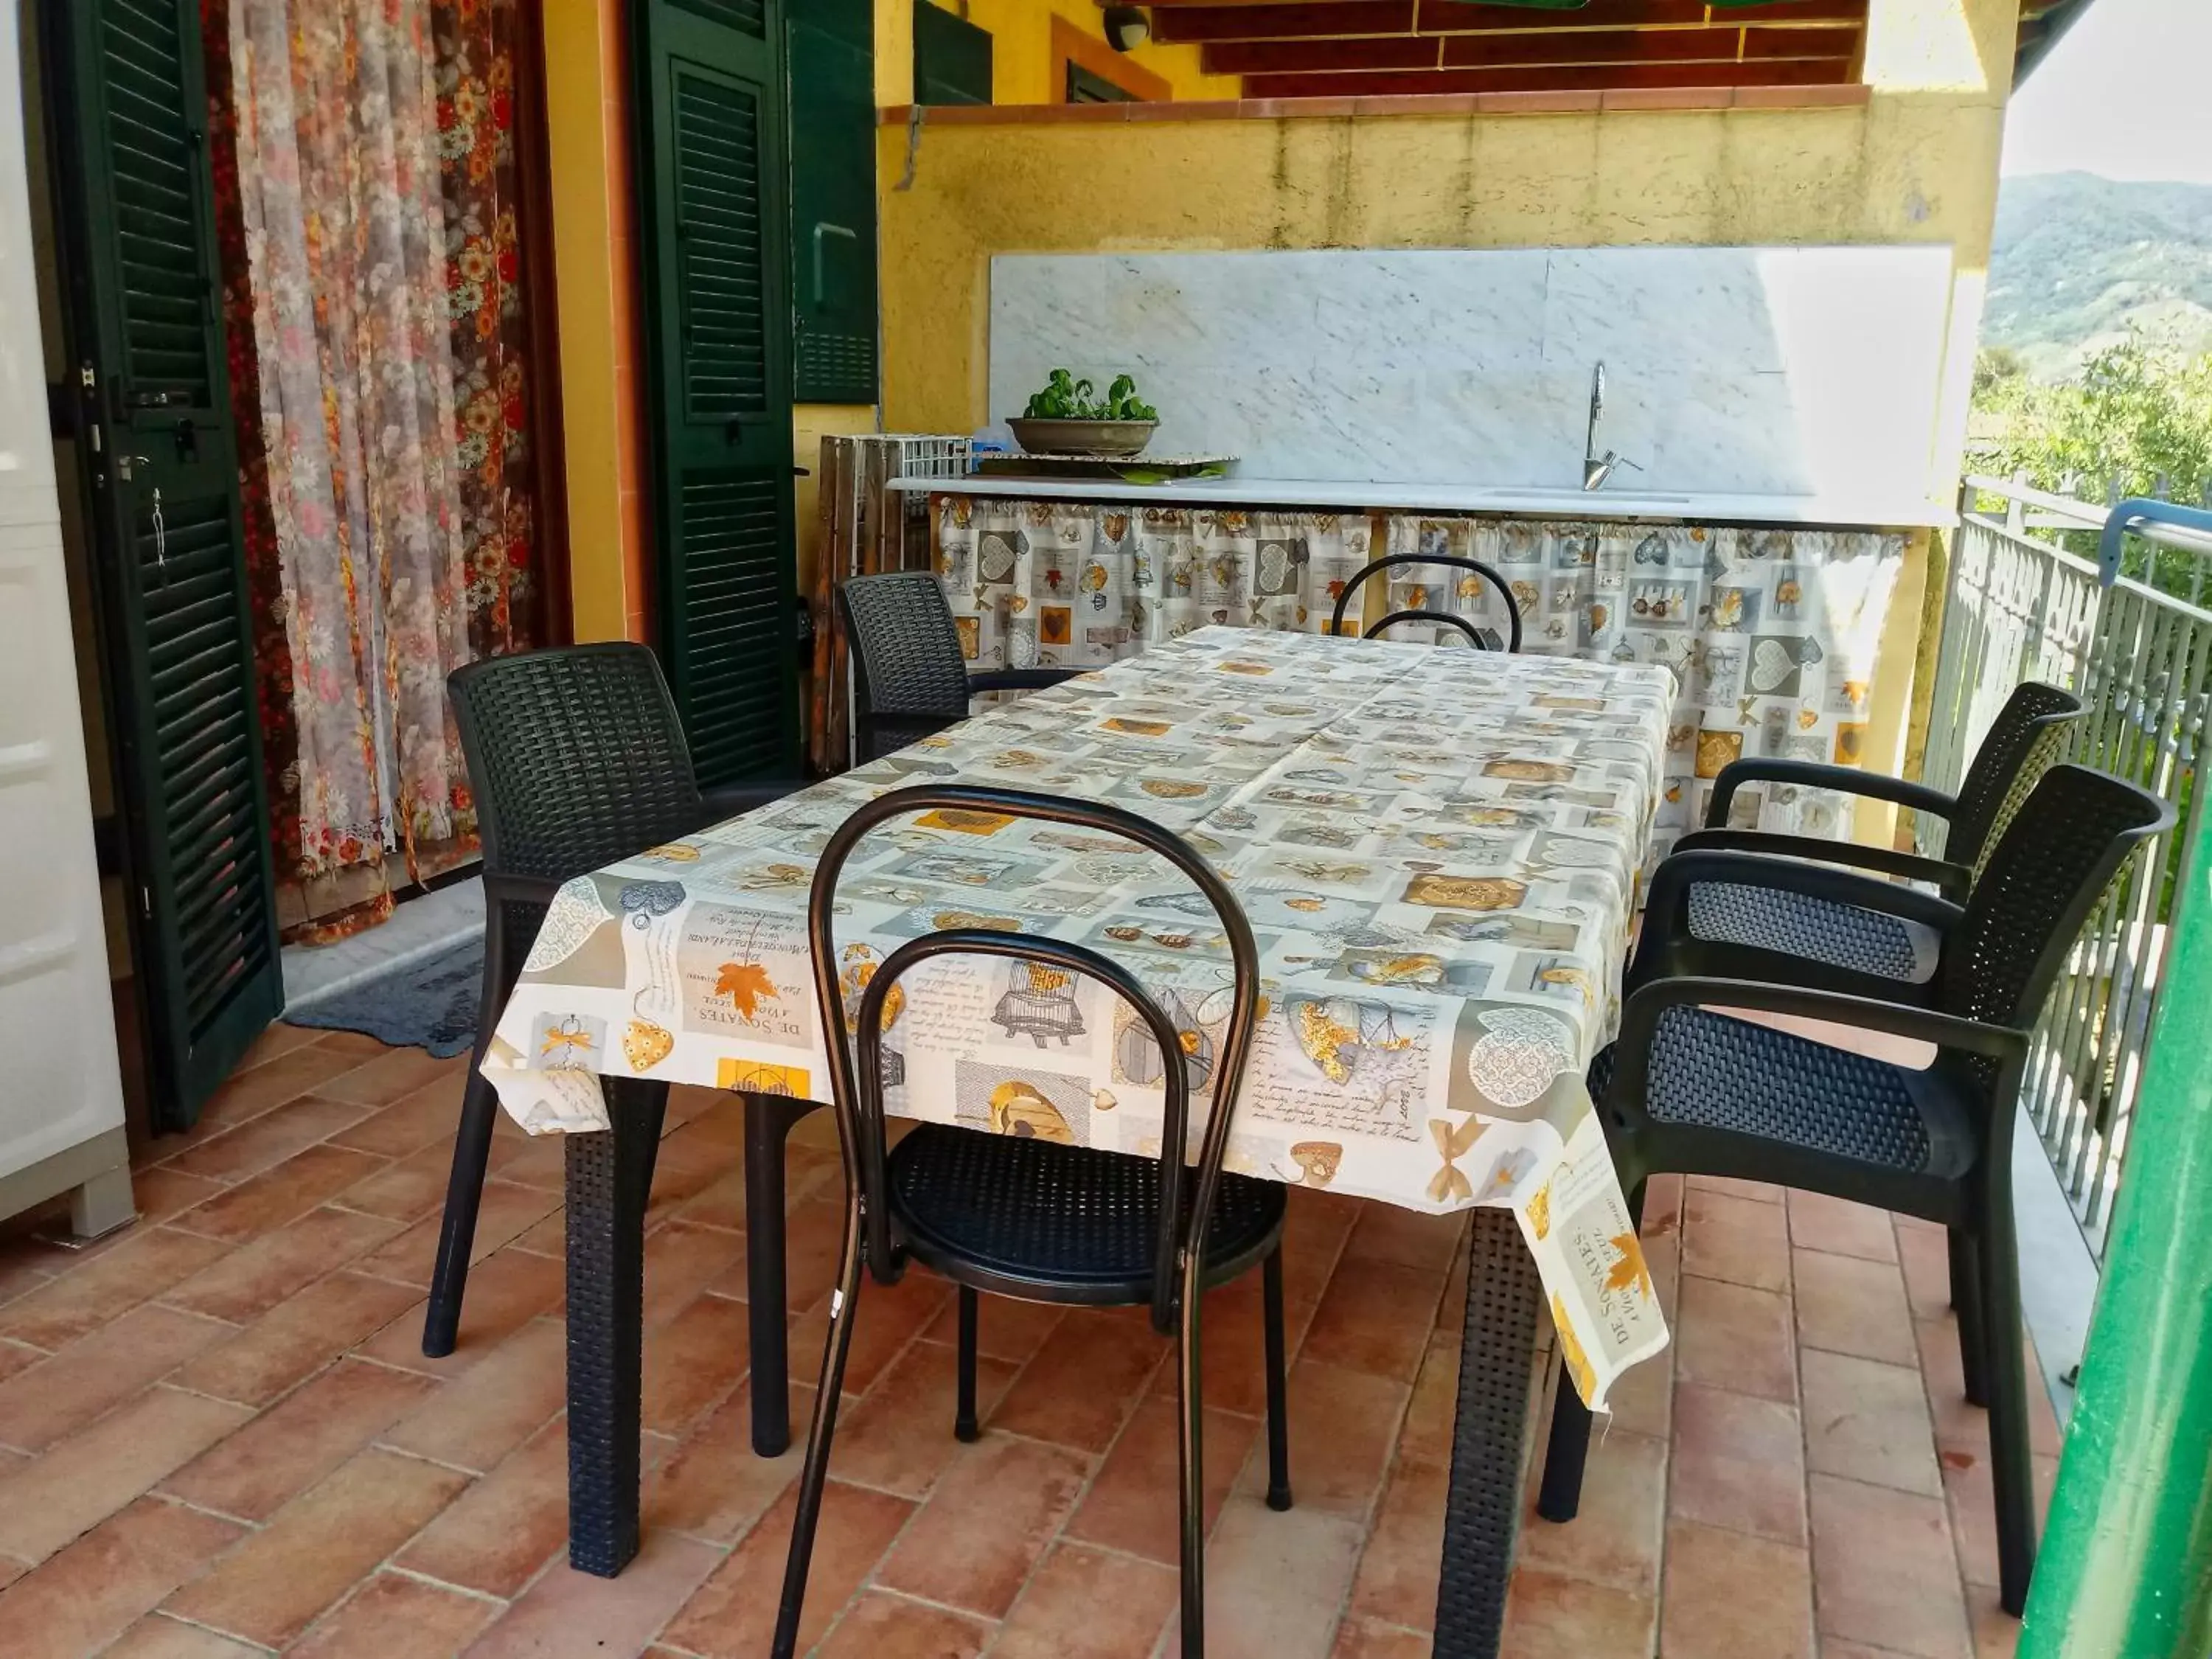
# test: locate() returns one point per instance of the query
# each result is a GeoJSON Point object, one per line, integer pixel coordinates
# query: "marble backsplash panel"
{"type": "Point", "coordinates": [1763, 371]}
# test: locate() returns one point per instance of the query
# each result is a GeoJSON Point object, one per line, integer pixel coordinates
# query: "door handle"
{"type": "Point", "coordinates": [733, 429]}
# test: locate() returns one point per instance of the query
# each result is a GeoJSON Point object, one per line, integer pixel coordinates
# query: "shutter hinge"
{"type": "Point", "coordinates": [85, 378]}
{"type": "Point", "coordinates": [146, 902]}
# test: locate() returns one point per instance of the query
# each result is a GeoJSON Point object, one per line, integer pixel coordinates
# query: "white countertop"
{"type": "Point", "coordinates": [1522, 501]}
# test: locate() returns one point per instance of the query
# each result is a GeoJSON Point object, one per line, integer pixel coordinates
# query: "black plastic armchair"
{"type": "Point", "coordinates": [1482, 639]}
{"type": "Point", "coordinates": [1713, 910]}
{"type": "Point", "coordinates": [910, 677]}
{"type": "Point", "coordinates": [1687, 1089]}
{"type": "Point", "coordinates": [576, 758]}
{"type": "Point", "coordinates": [1026, 1214]}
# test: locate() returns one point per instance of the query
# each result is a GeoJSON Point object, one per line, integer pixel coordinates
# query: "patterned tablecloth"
{"type": "Point", "coordinates": [1437, 850]}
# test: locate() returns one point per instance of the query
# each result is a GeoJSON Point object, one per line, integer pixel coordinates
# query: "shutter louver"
{"type": "Point", "coordinates": [204, 713]}
{"type": "Point", "coordinates": [833, 200]}
{"type": "Point", "coordinates": [162, 485]}
{"type": "Point", "coordinates": [715, 239]}
{"type": "Point", "coordinates": [718, 223]}
{"type": "Point", "coordinates": [164, 292]}
{"type": "Point", "coordinates": [735, 621]}
{"type": "Point", "coordinates": [749, 16]}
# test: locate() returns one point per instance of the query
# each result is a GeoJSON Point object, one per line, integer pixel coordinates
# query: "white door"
{"type": "Point", "coordinates": [61, 1094]}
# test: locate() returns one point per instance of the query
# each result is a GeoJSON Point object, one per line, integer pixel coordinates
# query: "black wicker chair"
{"type": "Point", "coordinates": [1482, 639]}
{"type": "Point", "coordinates": [1035, 1218]}
{"type": "Point", "coordinates": [1840, 932]}
{"type": "Point", "coordinates": [577, 759]}
{"type": "Point", "coordinates": [910, 677]}
{"type": "Point", "coordinates": [1687, 1089]}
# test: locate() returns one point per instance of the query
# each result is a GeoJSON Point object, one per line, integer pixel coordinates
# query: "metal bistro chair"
{"type": "Point", "coordinates": [910, 677]}
{"type": "Point", "coordinates": [1482, 639]}
{"type": "Point", "coordinates": [1834, 930]}
{"type": "Point", "coordinates": [1689, 1090]}
{"type": "Point", "coordinates": [577, 759]}
{"type": "Point", "coordinates": [1034, 1219]}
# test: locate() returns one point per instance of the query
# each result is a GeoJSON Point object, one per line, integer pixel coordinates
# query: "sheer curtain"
{"type": "Point", "coordinates": [342, 221]}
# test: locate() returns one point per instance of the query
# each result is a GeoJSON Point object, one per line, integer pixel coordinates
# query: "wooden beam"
{"type": "Point", "coordinates": [1387, 83]}
{"type": "Point", "coordinates": [1716, 46]}
{"type": "Point", "coordinates": [1215, 22]}
{"type": "Point", "coordinates": [1386, 52]}
{"type": "Point", "coordinates": [1460, 16]}
{"type": "Point", "coordinates": [1276, 21]}
{"type": "Point", "coordinates": [1400, 52]}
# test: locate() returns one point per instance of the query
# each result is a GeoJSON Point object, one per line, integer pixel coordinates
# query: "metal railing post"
{"type": "Point", "coordinates": [2126, 1570]}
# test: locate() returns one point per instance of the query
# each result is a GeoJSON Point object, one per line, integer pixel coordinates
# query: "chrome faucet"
{"type": "Point", "coordinates": [1597, 468]}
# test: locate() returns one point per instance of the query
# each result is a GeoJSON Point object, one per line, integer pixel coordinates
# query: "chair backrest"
{"type": "Point", "coordinates": [2038, 887]}
{"type": "Point", "coordinates": [2026, 741]}
{"type": "Point", "coordinates": [576, 757]}
{"type": "Point", "coordinates": [1482, 571]}
{"type": "Point", "coordinates": [856, 1085]}
{"type": "Point", "coordinates": [910, 674]}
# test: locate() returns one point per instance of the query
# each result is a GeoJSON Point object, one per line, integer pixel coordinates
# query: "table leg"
{"type": "Point", "coordinates": [609, 1179]}
{"type": "Point", "coordinates": [1482, 1510]}
{"type": "Point", "coordinates": [768, 1119]}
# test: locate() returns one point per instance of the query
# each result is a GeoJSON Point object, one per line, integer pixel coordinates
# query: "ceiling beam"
{"type": "Point", "coordinates": [1199, 24]}
{"type": "Point", "coordinates": [1629, 46]}
{"type": "Point", "coordinates": [1385, 83]}
{"type": "Point", "coordinates": [1274, 20]}
{"type": "Point", "coordinates": [1714, 45]}
{"type": "Point", "coordinates": [1457, 15]}
{"type": "Point", "coordinates": [1385, 52]}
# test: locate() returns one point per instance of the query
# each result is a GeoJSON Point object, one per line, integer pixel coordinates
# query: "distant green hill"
{"type": "Point", "coordinates": [2078, 261]}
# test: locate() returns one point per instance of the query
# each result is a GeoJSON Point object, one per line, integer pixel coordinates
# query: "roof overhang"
{"type": "Point", "coordinates": [1365, 48]}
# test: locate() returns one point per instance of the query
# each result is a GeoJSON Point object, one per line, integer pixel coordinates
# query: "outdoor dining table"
{"type": "Point", "coordinates": [1437, 850]}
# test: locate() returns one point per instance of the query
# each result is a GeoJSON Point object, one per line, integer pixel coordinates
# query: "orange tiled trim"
{"type": "Point", "coordinates": [1435, 104]}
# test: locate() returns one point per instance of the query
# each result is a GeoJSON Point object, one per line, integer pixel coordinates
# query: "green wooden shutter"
{"type": "Point", "coordinates": [160, 456]}
{"type": "Point", "coordinates": [833, 200]}
{"type": "Point", "coordinates": [714, 243]}
{"type": "Point", "coordinates": [952, 57]}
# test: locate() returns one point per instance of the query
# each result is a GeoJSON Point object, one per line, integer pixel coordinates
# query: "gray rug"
{"type": "Point", "coordinates": [429, 1003]}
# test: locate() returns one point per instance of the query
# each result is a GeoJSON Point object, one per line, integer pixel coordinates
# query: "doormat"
{"type": "Point", "coordinates": [429, 1003]}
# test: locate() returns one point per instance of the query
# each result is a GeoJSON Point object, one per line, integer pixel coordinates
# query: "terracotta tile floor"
{"type": "Point", "coordinates": [218, 1436]}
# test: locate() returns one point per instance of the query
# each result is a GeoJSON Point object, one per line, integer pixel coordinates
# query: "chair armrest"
{"type": "Point", "coordinates": [1640, 1018]}
{"type": "Point", "coordinates": [735, 800]}
{"type": "Point", "coordinates": [1953, 880]}
{"type": "Point", "coordinates": [1020, 679]}
{"type": "Point", "coordinates": [1679, 872]}
{"type": "Point", "coordinates": [1817, 775]}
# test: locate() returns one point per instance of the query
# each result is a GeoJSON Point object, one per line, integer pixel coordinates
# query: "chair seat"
{"type": "Point", "coordinates": [1711, 1072]}
{"type": "Point", "coordinates": [1821, 930]}
{"type": "Point", "coordinates": [1038, 1210]}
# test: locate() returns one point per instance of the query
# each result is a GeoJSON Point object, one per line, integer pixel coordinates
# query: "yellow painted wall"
{"type": "Point", "coordinates": [593, 262]}
{"type": "Point", "coordinates": [1905, 170]}
{"type": "Point", "coordinates": [1916, 162]}
{"type": "Point", "coordinates": [1024, 68]}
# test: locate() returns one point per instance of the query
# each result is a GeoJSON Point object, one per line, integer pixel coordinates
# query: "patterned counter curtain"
{"type": "Point", "coordinates": [1073, 582]}
{"type": "Point", "coordinates": [1771, 634]}
{"type": "Point", "coordinates": [364, 161]}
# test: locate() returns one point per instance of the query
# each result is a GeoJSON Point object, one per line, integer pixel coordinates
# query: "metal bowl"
{"type": "Point", "coordinates": [1050, 437]}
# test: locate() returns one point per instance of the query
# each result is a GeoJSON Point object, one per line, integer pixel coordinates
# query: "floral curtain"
{"type": "Point", "coordinates": [1771, 634]}
{"type": "Point", "coordinates": [366, 201]}
{"type": "Point", "coordinates": [478, 50]}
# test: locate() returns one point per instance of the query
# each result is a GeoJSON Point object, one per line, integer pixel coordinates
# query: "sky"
{"type": "Point", "coordinates": [2127, 94]}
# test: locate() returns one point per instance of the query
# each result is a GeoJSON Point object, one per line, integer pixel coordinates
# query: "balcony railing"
{"type": "Point", "coordinates": [2108, 604]}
